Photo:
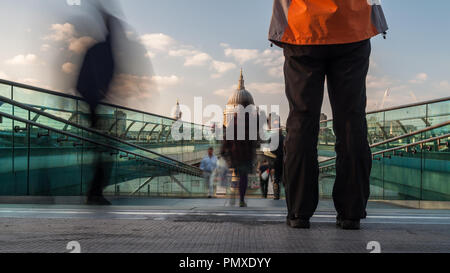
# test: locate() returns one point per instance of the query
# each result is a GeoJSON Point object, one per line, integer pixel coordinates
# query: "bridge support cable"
{"type": "Point", "coordinates": [179, 184]}
{"type": "Point", "coordinates": [143, 185]}
{"type": "Point", "coordinates": [391, 150]}
{"type": "Point", "coordinates": [399, 137]}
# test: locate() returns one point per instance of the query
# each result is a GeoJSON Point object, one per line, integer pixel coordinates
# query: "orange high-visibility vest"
{"type": "Point", "coordinates": [322, 22]}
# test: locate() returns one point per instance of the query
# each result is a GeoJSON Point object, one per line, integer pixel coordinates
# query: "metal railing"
{"type": "Point", "coordinates": [398, 138]}
{"type": "Point", "coordinates": [55, 93]}
{"type": "Point", "coordinates": [418, 143]}
{"type": "Point", "coordinates": [42, 113]}
{"type": "Point", "coordinates": [136, 155]}
{"type": "Point", "coordinates": [77, 106]}
{"type": "Point", "coordinates": [400, 107]}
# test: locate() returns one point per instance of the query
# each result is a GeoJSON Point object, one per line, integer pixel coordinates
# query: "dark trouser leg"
{"type": "Point", "coordinates": [264, 187]}
{"type": "Point", "coordinates": [243, 184]}
{"type": "Point", "coordinates": [276, 188]}
{"type": "Point", "coordinates": [305, 79]}
{"type": "Point", "coordinates": [261, 183]}
{"type": "Point", "coordinates": [93, 115]}
{"type": "Point", "coordinates": [346, 75]}
{"type": "Point", "coordinates": [101, 177]}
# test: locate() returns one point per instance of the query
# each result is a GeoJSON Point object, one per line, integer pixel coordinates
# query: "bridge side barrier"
{"type": "Point", "coordinates": [31, 174]}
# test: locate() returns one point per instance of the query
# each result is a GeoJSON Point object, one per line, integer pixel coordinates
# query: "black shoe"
{"type": "Point", "coordinates": [351, 224]}
{"type": "Point", "coordinates": [298, 223]}
{"type": "Point", "coordinates": [97, 201]}
{"type": "Point", "coordinates": [209, 196]}
{"type": "Point", "coordinates": [338, 221]}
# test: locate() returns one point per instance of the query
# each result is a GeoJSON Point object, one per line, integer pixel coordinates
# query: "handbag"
{"type": "Point", "coordinates": [265, 175]}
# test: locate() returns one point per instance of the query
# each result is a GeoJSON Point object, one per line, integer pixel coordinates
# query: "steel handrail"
{"type": "Point", "coordinates": [42, 113]}
{"type": "Point", "coordinates": [400, 107]}
{"type": "Point", "coordinates": [398, 148]}
{"type": "Point", "coordinates": [50, 92]}
{"type": "Point", "coordinates": [398, 138]}
{"type": "Point", "coordinates": [45, 127]}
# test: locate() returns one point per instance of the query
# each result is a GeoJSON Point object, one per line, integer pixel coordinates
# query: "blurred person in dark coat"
{"type": "Point", "coordinates": [241, 154]}
{"type": "Point", "coordinates": [94, 80]}
{"type": "Point", "coordinates": [97, 72]}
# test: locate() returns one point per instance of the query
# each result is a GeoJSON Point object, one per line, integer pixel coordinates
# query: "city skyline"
{"type": "Point", "coordinates": [200, 51]}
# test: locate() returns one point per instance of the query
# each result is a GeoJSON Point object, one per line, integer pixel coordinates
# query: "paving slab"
{"type": "Point", "coordinates": [212, 226]}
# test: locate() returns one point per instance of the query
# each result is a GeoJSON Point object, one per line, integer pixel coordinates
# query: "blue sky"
{"type": "Point", "coordinates": [197, 47]}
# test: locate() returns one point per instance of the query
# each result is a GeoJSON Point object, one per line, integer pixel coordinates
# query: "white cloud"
{"type": "Point", "coordinates": [384, 92]}
{"type": "Point", "coordinates": [271, 88]}
{"type": "Point", "coordinates": [61, 32]}
{"type": "Point", "coordinates": [137, 92]}
{"type": "Point", "coordinates": [68, 68]}
{"type": "Point", "coordinates": [221, 68]}
{"type": "Point", "coordinates": [444, 85]}
{"type": "Point", "coordinates": [45, 47]}
{"type": "Point", "coordinates": [66, 33]}
{"type": "Point", "coordinates": [242, 55]}
{"type": "Point", "coordinates": [199, 59]}
{"type": "Point", "coordinates": [182, 52]}
{"type": "Point", "coordinates": [420, 78]}
{"type": "Point", "coordinates": [225, 92]}
{"type": "Point", "coordinates": [31, 81]}
{"type": "Point", "coordinates": [163, 82]}
{"type": "Point", "coordinates": [150, 54]}
{"type": "Point", "coordinates": [378, 82]}
{"type": "Point", "coordinates": [160, 43]}
{"type": "Point", "coordinates": [191, 57]}
{"type": "Point", "coordinates": [276, 72]}
{"type": "Point", "coordinates": [80, 45]}
{"type": "Point", "coordinates": [127, 86]}
{"type": "Point", "coordinates": [222, 92]}
{"type": "Point", "coordinates": [273, 59]}
{"type": "Point", "coordinates": [398, 92]}
{"type": "Point", "coordinates": [3, 75]}
{"type": "Point", "coordinates": [22, 60]}
{"type": "Point", "coordinates": [157, 41]}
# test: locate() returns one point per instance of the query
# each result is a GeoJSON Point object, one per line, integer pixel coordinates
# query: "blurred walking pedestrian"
{"type": "Point", "coordinates": [94, 80]}
{"type": "Point", "coordinates": [208, 165]}
{"type": "Point", "coordinates": [241, 153]}
{"type": "Point", "coordinates": [264, 175]}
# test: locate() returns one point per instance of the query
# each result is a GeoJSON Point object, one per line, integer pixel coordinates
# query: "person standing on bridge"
{"type": "Point", "coordinates": [208, 165]}
{"type": "Point", "coordinates": [326, 39]}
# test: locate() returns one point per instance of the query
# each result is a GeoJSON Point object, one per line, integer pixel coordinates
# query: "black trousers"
{"type": "Point", "coordinates": [345, 69]}
{"type": "Point", "coordinates": [264, 186]}
{"type": "Point", "coordinates": [276, 187]}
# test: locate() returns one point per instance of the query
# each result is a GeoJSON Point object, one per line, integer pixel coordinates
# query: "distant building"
{"type": "Point", "coordinates": [113, 124]}
{"type": "Point", "coordinates": [178, 114]}
{"type": "Point", "coordinates": [323, 117]}
{"type": "Point", "coordinates": [239, 97]}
